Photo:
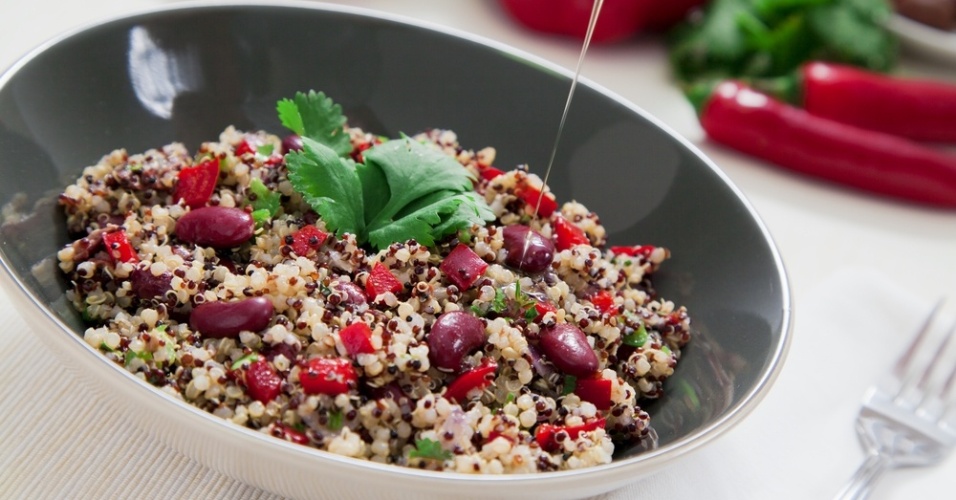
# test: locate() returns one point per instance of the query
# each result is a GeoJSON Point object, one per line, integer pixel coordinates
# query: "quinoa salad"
{"type": "Point", "coordinates": [404, 300]}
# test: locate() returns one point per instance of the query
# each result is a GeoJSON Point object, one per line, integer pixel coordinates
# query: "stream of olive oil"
{"type": "Point", "coordinates": [595, 11]}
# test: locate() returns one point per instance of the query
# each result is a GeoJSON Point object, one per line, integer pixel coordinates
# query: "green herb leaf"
{"type": "Point", "coordinates": [248, 358]}
{"type": "Point", "coordinates": [404, 190]}
{"type": "Point", "coordinates": [570, 383]}
{"type": "Point", "coordinates": [330, 185]}
{"type": "Point", "coordinates": [336, 420]}
{"type": "Point", "coordinates": [316, 117]}
{"type": "Point", "coordinates": [772, 38]}
{"type": "Point", "coordinates": [637, 338]}
{"type": "Point", "coordinates": [429, 449]}
{"type": "Point", "coordinates": [500, 302]}
{"type": "Point", "coordinates": [266, 199]}
{"type": "Point", "coordinates": [265, 149]}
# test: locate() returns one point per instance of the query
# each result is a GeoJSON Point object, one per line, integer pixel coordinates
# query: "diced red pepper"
{"type": "Point", "coordinates": [381, 280]}
{"type": "Point", "coordinates": [244, 147]}
{"type": "Point", "coordinates": [463, 266]}
{"type": "Point", "coordinates": [474, 379]}
{"type": "Point", "coordinates": [119, 247]}
{"type": "Point", "coordinates": [604, 301]}
{"type": "Point", "coordinates": [531, 195]}
{"type": "Point", "coordinates": [633, 251]}
{"type": "Point", "coordinates": [595, 390]}
{"type": "Point", "coordinates": [332, 376]}
{"type": "Point", "coordinates": [356, 153]}
{"type": "Point", "coordinates": [287, 433]}
{"type": "Point", "coordinates": [195, 185]}
{"type": "Point", "coordinates": [357, 339]}
{"type": "Point", "coordinates": [306, 239]}
{"type": "Point", "coordinates": [544, 435]}
{"type": "Point", "coordinates": [566, 234]}
{"type": "Point", "coordinates": [488, 173]}
{"type": "Point", "coordinates": [543, 308]}
{"type": "Point", "coordinates": [262, 381]}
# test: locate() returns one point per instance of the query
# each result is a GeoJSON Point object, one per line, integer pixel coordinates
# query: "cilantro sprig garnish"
{"type": "Point", "coordinates": [404, 190]}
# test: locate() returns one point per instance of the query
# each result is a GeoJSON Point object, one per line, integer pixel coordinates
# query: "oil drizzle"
{"type": "Point", "coordinates": [595, 11]}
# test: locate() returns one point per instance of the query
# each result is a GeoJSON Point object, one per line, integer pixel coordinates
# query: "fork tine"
{"type": "Point", "coordinates": [902, 369]}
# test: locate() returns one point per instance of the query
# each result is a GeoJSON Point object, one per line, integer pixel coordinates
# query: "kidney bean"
{"type": "Point", "coordinates": [567, 347]}
{"type": "Point", "coordinates": [226, 319]}
{"type": "Point", "coordinates": [527, 250]}
{"type": "Point", "coordinates": [354, 293]}
{"type": "Point", "coordinates": [453, 336]}
{"type": "Point", "coordinates": [291, 142]}
{"type": "Point", "coordinates": [146, 285]}
{"type": "Point", "coordinates": [217, 227]}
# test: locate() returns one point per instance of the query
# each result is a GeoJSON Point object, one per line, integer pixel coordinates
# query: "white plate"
{"type": "Point", "coordinates": [936, 43]}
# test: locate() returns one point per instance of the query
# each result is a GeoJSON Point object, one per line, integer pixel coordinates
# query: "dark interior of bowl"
{"type": "Point", "coordinates": [185, 75]}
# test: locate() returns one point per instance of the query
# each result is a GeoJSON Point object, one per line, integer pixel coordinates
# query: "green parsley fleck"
{"type": "Point", "coordinates": [248, 358]}
{"type": "Point", "coordinates": [429, 449]}
{"type": "Point", "coordinates": [637, 338]}
{"type": "Point", "coordinates": [570, 383]}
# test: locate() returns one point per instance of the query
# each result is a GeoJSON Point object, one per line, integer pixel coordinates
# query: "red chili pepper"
{"type": "Point", "coordinates": [332, 376]}
{"type": "Point", "coordinates": [307, 238]}
{"type": "Point", "coordinates": [262, 381]}
{"type": "Point", "coordinates": [595, 390]}
{"type": "Point", "coordinates": [463, 267]}
{"type": "Point", "coordinates": [531, 195]}
{"type": "Point", "coordinates": [119, 247]}
{"type": "Point", "coordinates": [381, 280]}
{"type": "Point", "coordinates": [357, 339]}
{"type": "Point", "coordinates": [545, 434]}
{"type": "Point", "coordinates": [754, 123]}
{"type": "Point", "coordinates": [923, 110]}
{"type": "Point", "coordinates": [566, 234]}
{"type": "Point", "coordinates": [195, 185]}
{"type": "Point", "coordinates": [619, 19]}
{"type": "Point", "coordinates": [476, 378]}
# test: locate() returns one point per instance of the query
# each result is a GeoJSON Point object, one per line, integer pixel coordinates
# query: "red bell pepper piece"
{"type": "Point", "coordinates": [633, 251]}
{"type": "Point", "coordinates": [307, 238]}
{"type": "Point", "coordinates": [119, 247]}
{"type": "Point", "coordinates": [923, 110]}
{"type": "Point", "coordinates": [757, 124]}
{"type": "Point", "coordinates": [463, 266]}
{"type": "Point", "coordinates": [195, 185]}
{"type": "Point", "coordinates": [544, 435]}
{"type": "Point", "coordinates": [262, 381]}
{"type": "Point", "coordinates": [244, 147]}
{"type": "Point", "coordinates": [381, 280]}
{"type": "Point", "coordinates": [488, 173]}
{"type": "Point", "coordinates": [604, 301]}
{"type": "Point", "coordinates": [566, 234]}
{"type": "Point", "coordinates": [332, 376]}
{"type": "Point", "coordinates": [595, 390]}
{"type": "Point", "coordinates": [357, 339]}
{"type": "Point", "coordinates": [476, 378]}
{"type": "Point", "coordinates": [531, 195]}
{"type": "Point", "coordinates": [543, 308]}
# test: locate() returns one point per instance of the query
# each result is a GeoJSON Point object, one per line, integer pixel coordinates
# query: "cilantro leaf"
{"type": "Point", "coordinates": [316, 117]}
{"type": "Point", "coordinates": [429, 449]}
{"type": "Point", "coordinates": [772, 38]}
{"type": "Point", "coordinates": [266, 199]}
{"type": "Point", "coordinates": [404, 189]}
{"type": "Point", "coordinates": [412, 171]}
{"type": "Point", "coordinates": [330, 185]}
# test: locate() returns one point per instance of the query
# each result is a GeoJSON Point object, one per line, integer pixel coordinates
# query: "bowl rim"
{"type": "Point", "coordinates": [651, 459]}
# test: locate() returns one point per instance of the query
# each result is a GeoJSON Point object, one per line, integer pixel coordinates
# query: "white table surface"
{"type": "Point", "coordinates": [841, 248]}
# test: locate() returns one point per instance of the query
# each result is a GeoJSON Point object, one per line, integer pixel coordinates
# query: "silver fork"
{"type": "Point", "coordinates": [908, 419]}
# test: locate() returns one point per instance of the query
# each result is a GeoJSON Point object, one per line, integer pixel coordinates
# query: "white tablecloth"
{"type": "Point", "coordinates": [857, 264]}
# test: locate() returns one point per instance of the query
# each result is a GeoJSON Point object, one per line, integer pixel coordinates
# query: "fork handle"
{"type": "Point", "coordinates": [865, 477]}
